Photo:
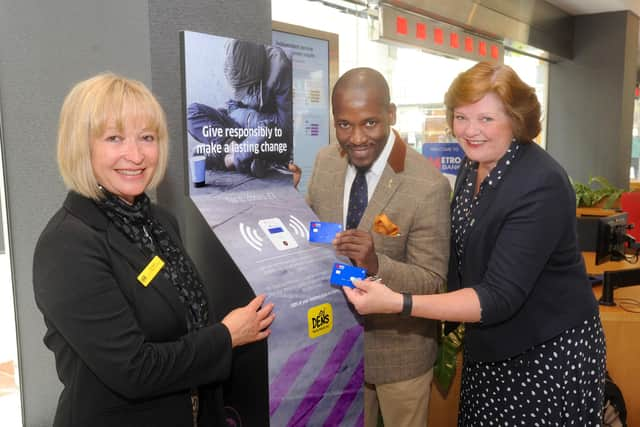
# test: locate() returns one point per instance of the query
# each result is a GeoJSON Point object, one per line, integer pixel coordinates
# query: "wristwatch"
{"type": "Point", "coordinates": [407, 304]}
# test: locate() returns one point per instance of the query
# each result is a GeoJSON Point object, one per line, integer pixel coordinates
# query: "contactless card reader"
{"type": "Point", "coordinates": [279, 236]}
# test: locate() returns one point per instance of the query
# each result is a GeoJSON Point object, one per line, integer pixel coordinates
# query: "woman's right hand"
{"type": "Point", "coordinates": [250, 323]}
{"type": "Point", "coordinates": [373, 296]}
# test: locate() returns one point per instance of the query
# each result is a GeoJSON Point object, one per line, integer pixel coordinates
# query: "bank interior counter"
{"type": "Point", "coordinates": [621, 323]}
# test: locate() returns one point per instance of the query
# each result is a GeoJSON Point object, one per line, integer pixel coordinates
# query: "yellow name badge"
{"type": "Point", "coordinates": [320, 319]}
{"type": "Point", "coordinates": [150, 271]}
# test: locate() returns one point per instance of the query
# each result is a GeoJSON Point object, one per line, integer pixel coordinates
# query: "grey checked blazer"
{"type": "Point", "coordinates": [415, 196]}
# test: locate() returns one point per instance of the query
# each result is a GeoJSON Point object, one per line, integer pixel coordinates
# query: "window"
{"type": "Point", "coordinates": [634, 169]}
{"type": "Point", "coordinates": [418, 79]}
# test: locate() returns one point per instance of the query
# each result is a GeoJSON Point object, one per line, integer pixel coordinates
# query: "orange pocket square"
{"type": "Point", "coordinates": [383, 225]}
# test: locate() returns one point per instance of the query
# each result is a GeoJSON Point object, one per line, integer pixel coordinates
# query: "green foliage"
{"type": "Point", "coordinates": [445, 367]}
{"type": "Point", "coordinates": [596, 190]}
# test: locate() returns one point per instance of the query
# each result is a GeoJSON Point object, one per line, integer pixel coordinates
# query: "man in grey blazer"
{"type": "Point", "coordinates": [400, 183]}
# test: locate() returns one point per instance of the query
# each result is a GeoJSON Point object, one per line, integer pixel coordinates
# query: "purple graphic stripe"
{"type": "Point", "coordinates": [282, 383]}
{"type": "Point", "coordinates": [360, 421]}
{"type": "Point", "coordinates": [347, 397]}
{"type": "Point", "coordinates": [324, 378]}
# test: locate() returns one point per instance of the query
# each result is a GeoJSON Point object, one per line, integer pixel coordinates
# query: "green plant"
{"type": "Point", "coordinates": [596, 190]}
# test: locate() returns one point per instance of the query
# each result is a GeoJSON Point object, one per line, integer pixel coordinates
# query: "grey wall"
{"type": "Point", "coordinates": [45, 47]}
{"type": "Point", "coordinates": [591, 99]}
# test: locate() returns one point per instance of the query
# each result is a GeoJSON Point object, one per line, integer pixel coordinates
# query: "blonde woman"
{"type": "Point", "coordinates": [128, 318]}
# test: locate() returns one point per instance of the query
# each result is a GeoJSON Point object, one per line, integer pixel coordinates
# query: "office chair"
{"type": "Point", "coordinates": [630, 203]}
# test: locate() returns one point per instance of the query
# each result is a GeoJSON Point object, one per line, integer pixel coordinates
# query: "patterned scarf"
{"type": "Point", "coordinates": [144, 231]}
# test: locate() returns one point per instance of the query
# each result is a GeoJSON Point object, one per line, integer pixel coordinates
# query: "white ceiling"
{"type": "Point", "coordinates": [586, 7]}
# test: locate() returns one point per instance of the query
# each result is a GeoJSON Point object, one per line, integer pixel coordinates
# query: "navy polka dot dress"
{"type": "Point", "coordinates": [557, 383]}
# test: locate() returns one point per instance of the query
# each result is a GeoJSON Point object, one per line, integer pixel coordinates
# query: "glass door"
{"type": "Point", "coordinates": [10, 406]}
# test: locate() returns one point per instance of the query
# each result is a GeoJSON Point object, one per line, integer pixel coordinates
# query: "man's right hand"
{"type": "Point", "coordinates": [358, 246]}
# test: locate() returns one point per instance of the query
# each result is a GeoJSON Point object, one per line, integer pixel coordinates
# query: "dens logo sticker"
{"type": "Point", "coordinates": [320, 319]}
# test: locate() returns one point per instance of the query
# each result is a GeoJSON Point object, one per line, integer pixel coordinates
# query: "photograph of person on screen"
{"type": "Point", "coordinates": [252, 132]}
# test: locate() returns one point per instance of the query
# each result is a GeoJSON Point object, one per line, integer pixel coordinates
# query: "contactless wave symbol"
{"type": "Point", "coordinates": [251, 236]}
{"type": "Point", "coordinates": [298, 227]}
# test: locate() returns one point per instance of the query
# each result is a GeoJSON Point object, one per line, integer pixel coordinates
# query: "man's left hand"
{"type": "Point", "coordinates": [358, 246]}
{"type": "Point", "coordinates": [297, 173]}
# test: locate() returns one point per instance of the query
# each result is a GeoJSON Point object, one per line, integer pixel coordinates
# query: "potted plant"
{"type": "Point", "coordinates": [597, 193]}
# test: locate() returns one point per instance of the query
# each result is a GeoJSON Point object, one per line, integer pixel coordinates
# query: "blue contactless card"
{"type": "Point", "coordinates": [341, 274]}
{"type": "Point", "coordinates": [323, 232]}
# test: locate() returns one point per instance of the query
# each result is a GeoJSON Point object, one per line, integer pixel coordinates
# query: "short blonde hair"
{"type": "Point", "coordinates": [84, 116]}
{"type": "Point", "coordinates": [519, 99]}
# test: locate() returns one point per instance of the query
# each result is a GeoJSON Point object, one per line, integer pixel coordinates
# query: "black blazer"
{"type": "Point", "coordinates": [522, 258]}
{"type": "Point", "coordinates": [122, 350]}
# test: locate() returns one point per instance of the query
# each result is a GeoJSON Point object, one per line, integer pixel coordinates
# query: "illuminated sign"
{"type": "Point", "coordinates": [419, 31]}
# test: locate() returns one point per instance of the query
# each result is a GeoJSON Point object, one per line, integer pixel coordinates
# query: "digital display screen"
{"type": "Point", "coordinates": [275, 230]}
